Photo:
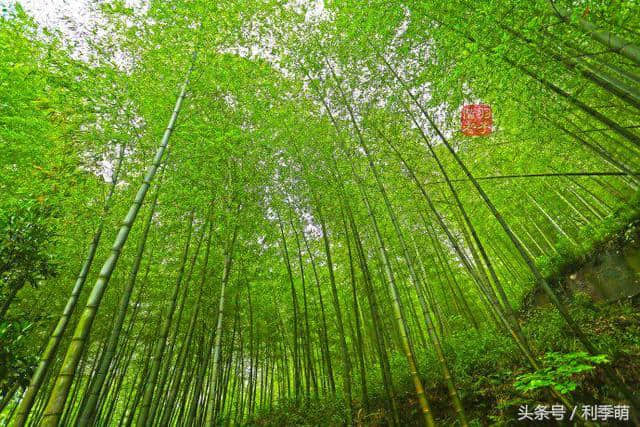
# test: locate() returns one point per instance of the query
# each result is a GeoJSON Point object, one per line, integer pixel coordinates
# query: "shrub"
{"type": "Point", "coordinates": [559, 371]}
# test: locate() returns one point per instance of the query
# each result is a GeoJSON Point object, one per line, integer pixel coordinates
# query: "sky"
{"type": "Point", "coordinates": [72, 17]}
{"type": "Point", "coordinates": [75, 19]}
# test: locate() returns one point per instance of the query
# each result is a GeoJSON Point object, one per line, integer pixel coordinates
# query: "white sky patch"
{"type": "Point", "coordinates": [263, 40]}
{"type": "Point", "coordinates": [72, 17]}
{"type": "Point", "coordinates": [80, 23]}
{"type": "Point", "coordinates": [313, 10]}
{"type": "Point", "coordinates": [404, 25]}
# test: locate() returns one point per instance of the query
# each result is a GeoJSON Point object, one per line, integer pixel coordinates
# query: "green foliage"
{"type": "Point", "coordinates": [316, 412]}
{"type": "Point", "coordinates": [480, 353]}
{"type": "Point", "coordinates": [560, 371]}
{"type": "Point", "coordinates": [254, 132]}
{"type": "Point", "coordinates": [25, 258]}
{"type": "Point", "coordinates": [17, 361]}
{"type": "Point", "coordinates": [25, 240]}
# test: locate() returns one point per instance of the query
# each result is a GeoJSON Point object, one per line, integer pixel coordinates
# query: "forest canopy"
{"type": "Point", "coordinates": [261, 212]}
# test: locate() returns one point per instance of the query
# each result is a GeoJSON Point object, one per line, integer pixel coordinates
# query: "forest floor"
{"type": "Point", "coordinates": [602, 291]}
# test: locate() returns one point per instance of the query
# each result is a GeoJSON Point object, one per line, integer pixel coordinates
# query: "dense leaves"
{"type": "Point", "coordinates": [25, 250]}
{"type": "Point", "coordinates": [266, 212]}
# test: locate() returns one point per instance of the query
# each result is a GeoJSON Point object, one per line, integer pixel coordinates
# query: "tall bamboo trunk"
{"type": "Point", "coordinates": [218, 336]}
{"type": "Point", "coordinates": [346, 378]}
{"type": "Point", "coordinates": [378, 337]}
{"type": "Point", "coordinates": [50, 350]}
{"type": "Point", "coordinates": [58, 397]}
{"type": "Point", "coordinates": [602, 118]}
{"type": "Point", "coordinates": [414, 279]}
{"type": "Point", "coordinates": [323, 318]}
{"type": "Point", "coordinates": [624, 390]}
{"type": "Point", "coordinates": [356, 313]}
{"type": "Point", "coordinates": [610, 84]}
{"type": "Point", "coordinates": [158, 352]}
{"type": "Point", "coordinates": [310, 379]}
{"type": "Point", "coordinates": [402, 330]}
{"type": "Point", "coordinates": [611, 41]}
{"type": "Point", "coordinates": [294, 300]}
{"type": "Point", "coordinates": [89, 411]}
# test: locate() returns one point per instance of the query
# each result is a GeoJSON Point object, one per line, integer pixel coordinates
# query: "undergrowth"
{"type": "Point", "coordinates": [492, 377]}
{"type": "Point", "coordinates": [488, 370]}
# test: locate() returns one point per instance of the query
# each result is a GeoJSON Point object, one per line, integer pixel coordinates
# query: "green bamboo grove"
{"type": "Point", "coordinates": [266, 213]}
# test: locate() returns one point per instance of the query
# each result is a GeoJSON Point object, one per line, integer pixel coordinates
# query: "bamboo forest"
{"type": "Point", "coordinates": [319, 212]}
